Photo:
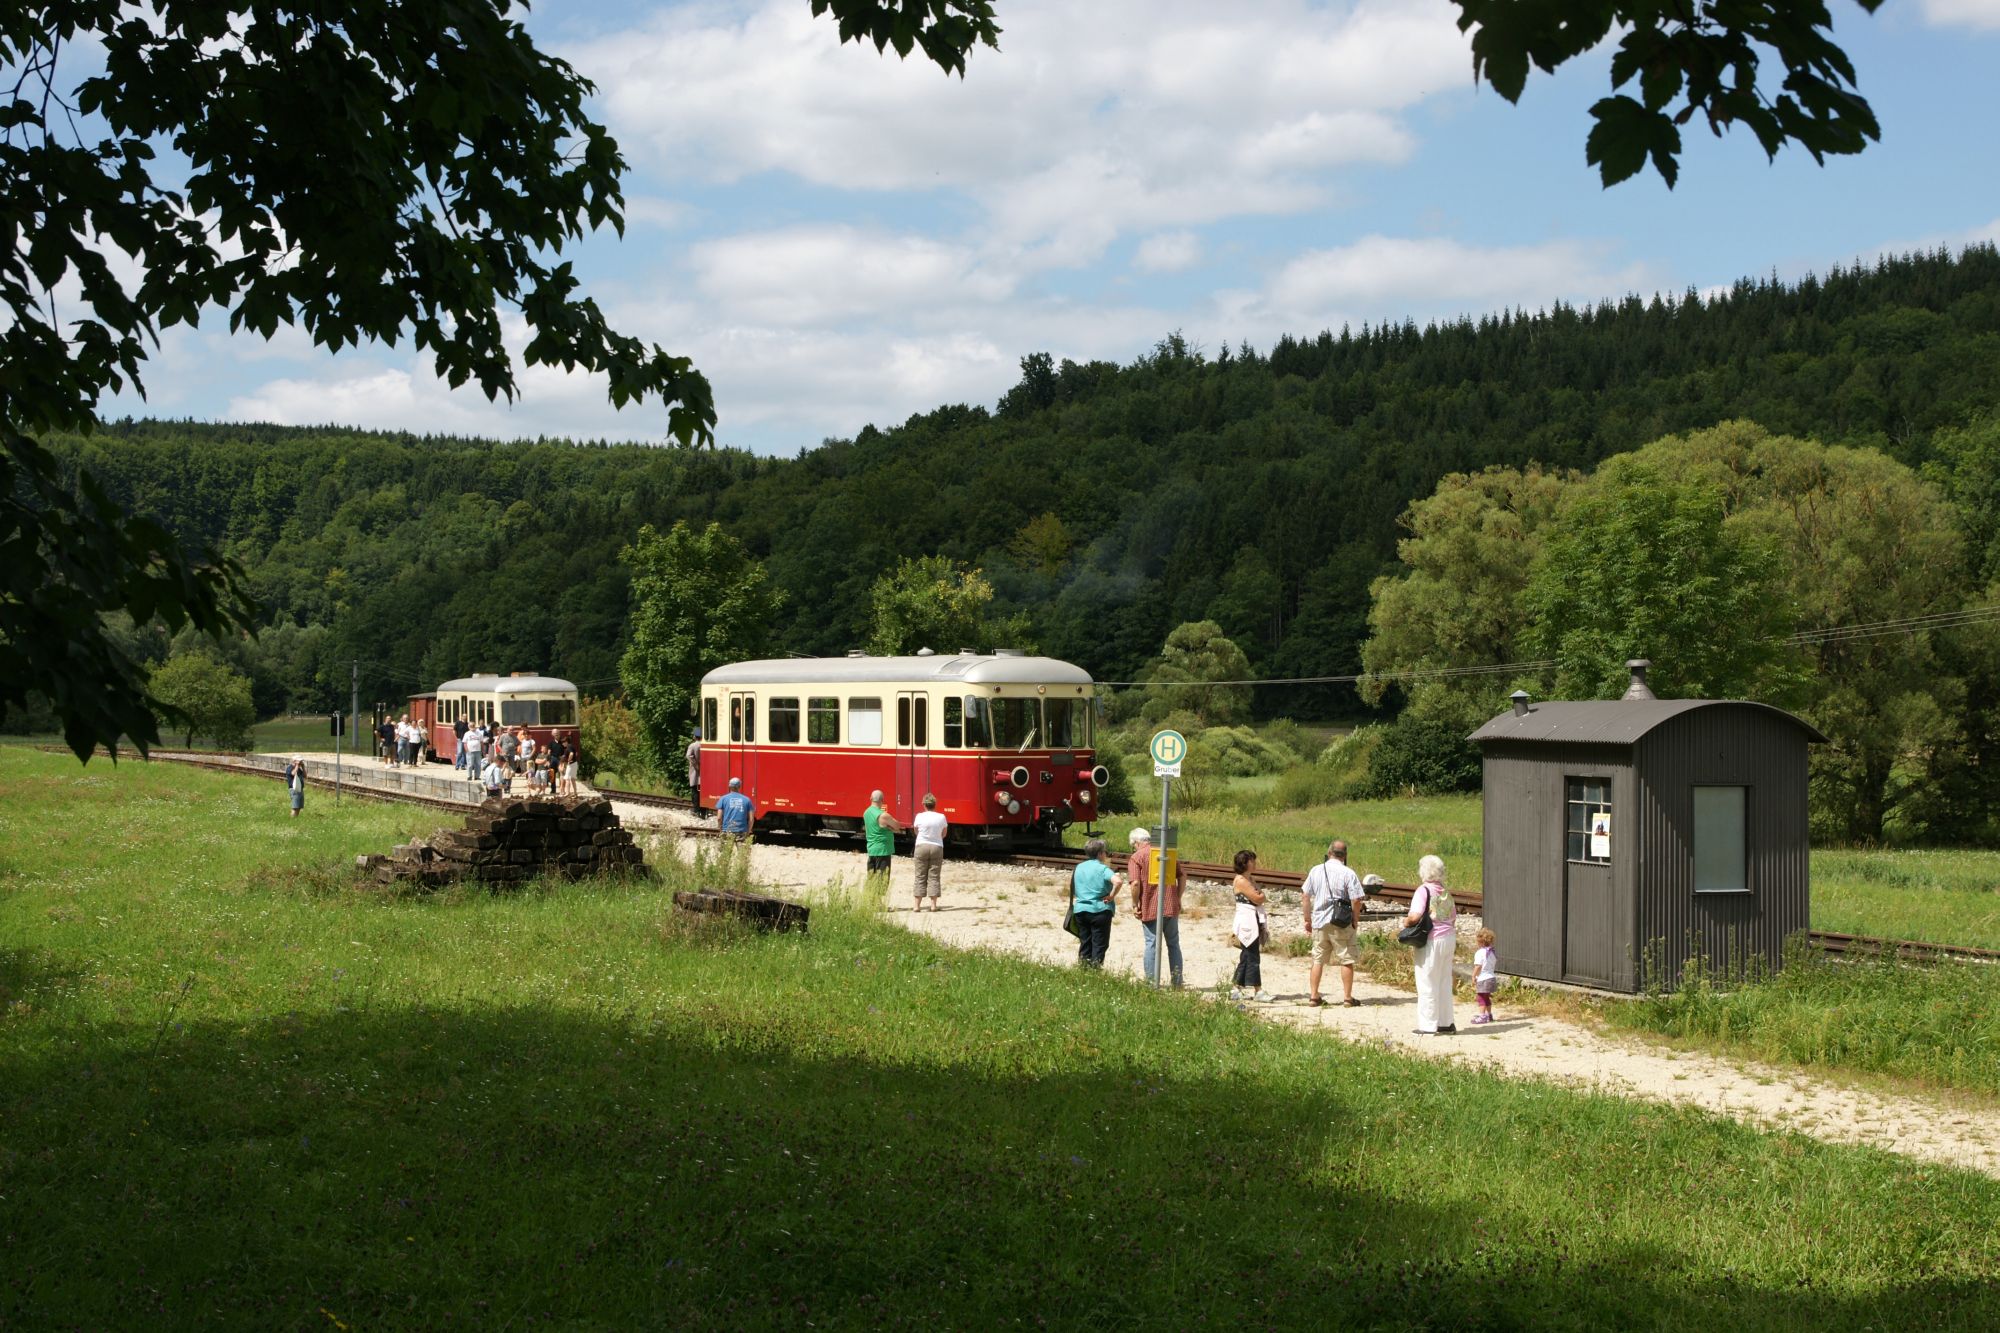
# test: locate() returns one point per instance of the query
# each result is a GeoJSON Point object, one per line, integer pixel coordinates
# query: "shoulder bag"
{"type": "Point", "coordinates": [1419, 935]}
{"type": "Point", "coordinates": [1069, 915]}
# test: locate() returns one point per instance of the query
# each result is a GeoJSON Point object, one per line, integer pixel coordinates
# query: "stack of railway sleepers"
{"type": "Point", "coordinates": [509, 839]}
{"type": "Point", "coordinates": [766, 913]}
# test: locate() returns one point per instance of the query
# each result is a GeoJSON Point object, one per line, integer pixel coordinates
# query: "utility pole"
{"type": "Point", "coordinates": [355, 705]}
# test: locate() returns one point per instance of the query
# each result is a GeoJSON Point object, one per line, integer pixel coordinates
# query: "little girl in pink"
{"type": "Point", "coordinates": [1485, 975]}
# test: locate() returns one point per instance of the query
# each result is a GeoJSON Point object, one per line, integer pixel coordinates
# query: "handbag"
{"type": "Point", "coordinates": [1069, 915]}
{"type": "Point", "coordinates": [1419, 935]}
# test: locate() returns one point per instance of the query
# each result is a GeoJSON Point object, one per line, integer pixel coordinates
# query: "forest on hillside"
{"type": "Point", "coordinates": [1105, 503]}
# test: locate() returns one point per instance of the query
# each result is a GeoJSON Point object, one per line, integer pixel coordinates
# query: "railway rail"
{"type": "Point", "coordinates": [1832, 942]}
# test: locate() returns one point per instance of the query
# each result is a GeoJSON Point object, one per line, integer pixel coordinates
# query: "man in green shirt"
{"type": "Point", "coordinates": [881, 829]}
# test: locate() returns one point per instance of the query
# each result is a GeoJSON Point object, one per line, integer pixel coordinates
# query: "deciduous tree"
{"type": "Point", "coordinates": [698, 602]}
{"type": "Point", "coordinates": [203, 697]}
{"type": "Point", "coordinates": [932, 602]}
{"type": "Point", "coordinates": [1201, 671]}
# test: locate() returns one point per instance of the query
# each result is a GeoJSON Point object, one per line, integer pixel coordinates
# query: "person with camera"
{"type": "Point", "coordinates": [1331, 900]}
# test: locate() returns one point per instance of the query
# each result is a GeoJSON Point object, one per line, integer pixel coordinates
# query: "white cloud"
{"type": "Point", "coordinates": [820, 274]}
{"type": "Point", "coordinates": [1380, 277]}
{"type": "Point", "coordinates": [1961, 13]}
{"type": "Point", "coordinates": [1093, 120]}
{"type": "Point", "coordinates": [1168, 252]}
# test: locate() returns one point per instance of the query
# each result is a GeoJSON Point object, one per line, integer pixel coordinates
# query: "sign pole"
{"type": "Point", "coordinates": [1169, 748]}
{"type": "Point", "coordinates": [1160, 903]}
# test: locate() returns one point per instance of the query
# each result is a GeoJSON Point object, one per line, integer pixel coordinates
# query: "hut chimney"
{"type": "Point", "coordinates": [1638, 688]}
{"type": "Point", "coordinates": [1520, 698]}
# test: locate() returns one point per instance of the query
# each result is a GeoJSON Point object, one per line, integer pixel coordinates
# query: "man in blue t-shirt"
{"type": "Point", "coordinates": [735, 812]}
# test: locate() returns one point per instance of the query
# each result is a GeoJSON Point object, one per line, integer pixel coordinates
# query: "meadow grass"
{"type": "Point", "coordinates": [237, 1090]}
{"type": "Point", "coordinates": [1929, 1024]}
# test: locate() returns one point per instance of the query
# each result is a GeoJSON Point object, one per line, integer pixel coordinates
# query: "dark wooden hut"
{"type": "Point", "coordinates": [1623, 837]}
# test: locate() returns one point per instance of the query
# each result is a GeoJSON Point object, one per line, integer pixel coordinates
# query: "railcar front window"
{"type": "Point", "coordinates": [784, 721]}
{"type": "Point", "coordinates": [1062, 722]}
{"type": "Point", "coordinates": [864, 721]}
{"type": "Point", "coordinates": [558, 712]}
{"type": "Point", "coordinates": [518, 713]}
{"type": "Point", "coordinates": [1017, 723]}
{"type": "Point", "coordinates": [978, 724]}
{"type": "Point", "coordinates": [823, 721]}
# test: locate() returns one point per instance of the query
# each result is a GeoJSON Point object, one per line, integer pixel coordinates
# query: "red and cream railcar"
{"type": "Point", "coordinates": [545, 705]}
{"type": "Point", "coordinates": [1004, 741]}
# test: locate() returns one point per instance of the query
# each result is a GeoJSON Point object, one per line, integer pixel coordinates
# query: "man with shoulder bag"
{"type": "Point", "coordinates": [1331, 900]}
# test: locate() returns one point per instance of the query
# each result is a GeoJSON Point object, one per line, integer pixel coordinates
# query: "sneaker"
{"type": "Point", "coordinates": [1447, 1029]}
{"type": "Point", "coordinates": [1235, 992]}
{"type": "Point", "coordinates": [1483, 1018]}
{"type": "Point", "coordinates": [1263, 997]}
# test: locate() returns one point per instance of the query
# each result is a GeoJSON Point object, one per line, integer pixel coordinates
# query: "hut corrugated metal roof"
{"type": "Point", "coordinates": [1609, 722]}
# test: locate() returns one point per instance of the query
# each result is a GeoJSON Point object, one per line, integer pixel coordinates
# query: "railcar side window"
{"type": "Point", "coordinates": [864, 721]}
{"type": "Point", "coordinates": [1017, 723]}
{"type": "Point", "coordinates": [736, 719]}
{"type": "Point", "coordinates": [1589, 820]}
{"type": "Point", "coordinates": [903, 720]}
{"type": "Point", "coordinates": [784, 720]}
{"type": "Point", "coordinates": [558, 712]}
{"type": "Point", "coordinates": [517, 713]}
{"type": "Point", "coordinates": [954, 722]}
{"type": "Point", "coordinates": [823, 721]}
{"type": "Point", "coordinates": [978, 723]}
{"type": "Point", "coordinates": [923, 707]}
{"type": "Point", "coordinates": [1062, 715]}
{"type": "Point", "coordinates": [708, 730]}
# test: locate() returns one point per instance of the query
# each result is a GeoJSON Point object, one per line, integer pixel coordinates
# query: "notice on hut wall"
{"type": "Point", "coordinates": [1600, 833]}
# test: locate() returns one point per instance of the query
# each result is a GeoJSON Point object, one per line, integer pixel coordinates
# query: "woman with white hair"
{"type": "Point", "coordinates": [1435, 955]}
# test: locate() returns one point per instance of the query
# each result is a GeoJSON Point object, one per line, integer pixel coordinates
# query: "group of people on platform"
{"type": "Point", "coordinates": [493, 757]}
{"type": "Point", "coordinates": [400, 741]}
{"type": "Point", "coordinates": [1331, 902]}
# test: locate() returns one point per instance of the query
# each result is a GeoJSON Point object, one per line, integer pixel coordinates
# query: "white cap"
{"type": "Point", "coordinates": [1370, 881]}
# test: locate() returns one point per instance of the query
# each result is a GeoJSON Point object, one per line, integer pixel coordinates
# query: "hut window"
{"type": "Point", "coordinates": [1721, 860]}
{"type": "Point", "coordinates": [1589, 820]}
{"type": "Point", "coordinates": [864, 721]}
{"type": "Point", "coordinates": [784, 720]}
{"type": "Point", "coordinates": [823, 721]}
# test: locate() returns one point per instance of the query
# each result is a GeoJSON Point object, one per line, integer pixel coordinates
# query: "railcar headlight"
{"type": "Point", "coordinates": [1013, 807]}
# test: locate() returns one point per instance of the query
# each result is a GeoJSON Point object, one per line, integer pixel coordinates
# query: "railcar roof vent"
{"type": "Point", "coordinates": [1638, 689]}
{"type": "Point", "coordinates": [1520, 698]}
{"type": "Point", "coordinates": [856, 652]}
{"type": "Point", "coordinates": [968, 652]}
{"type": "Point", "coordinates": [1007, 652]}
{"type": "Point", "coordinates": [925, 652]}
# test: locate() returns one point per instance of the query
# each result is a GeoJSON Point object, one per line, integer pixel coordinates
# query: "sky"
{"type": "Point", "coordinates": [839, 238]}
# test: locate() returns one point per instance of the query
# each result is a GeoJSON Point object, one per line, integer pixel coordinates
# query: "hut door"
{"type": "Point", "coordinates": [913, 755]}
{"type": "Point", "coordinates": [1591, 921]}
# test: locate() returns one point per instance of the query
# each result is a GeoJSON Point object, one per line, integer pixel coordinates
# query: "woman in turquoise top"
{"type": "Point", "coordinates": [1094, 894]}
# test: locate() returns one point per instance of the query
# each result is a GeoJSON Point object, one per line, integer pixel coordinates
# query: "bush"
{"type": "Point", "coordinates": [1116, 796]}
{"type": "Point", "coordinates": [1238, 752]}
{"type": "Point", "coordinates": [1340, 773]}
{"type": "Point", "coordinates": [1422, 757]}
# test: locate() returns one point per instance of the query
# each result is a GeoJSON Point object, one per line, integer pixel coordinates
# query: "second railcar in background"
{"type": "Point", "coordinates": [1004, 741]}
{"type": "Point", "coordinates": [545, 705]}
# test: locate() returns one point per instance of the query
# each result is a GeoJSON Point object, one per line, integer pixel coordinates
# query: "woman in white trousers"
{"type": "Point", "coordinates": [1434, 958]}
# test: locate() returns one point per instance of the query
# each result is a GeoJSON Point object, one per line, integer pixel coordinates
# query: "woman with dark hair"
{"type": "Point", "coordinates": [1250, 932]}
{"type": "Point", "coordinates": [1093, 891]}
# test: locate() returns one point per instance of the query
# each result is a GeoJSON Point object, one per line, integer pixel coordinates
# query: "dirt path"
{"type": "Point", "coordinates": [1019, 911]}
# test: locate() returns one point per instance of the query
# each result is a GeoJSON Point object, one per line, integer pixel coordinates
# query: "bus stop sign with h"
{"type": "Point", "coordinates": [1169, 748]}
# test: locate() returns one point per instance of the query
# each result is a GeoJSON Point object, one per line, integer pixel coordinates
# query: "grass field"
{"type": "Point", "coordinates": [235, 1092]}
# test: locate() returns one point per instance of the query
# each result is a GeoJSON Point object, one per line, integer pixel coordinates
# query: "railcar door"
{"type": "Point", "coordinates": [913, 755]}
{"type": "Point", "coordinates": [743, 742]}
